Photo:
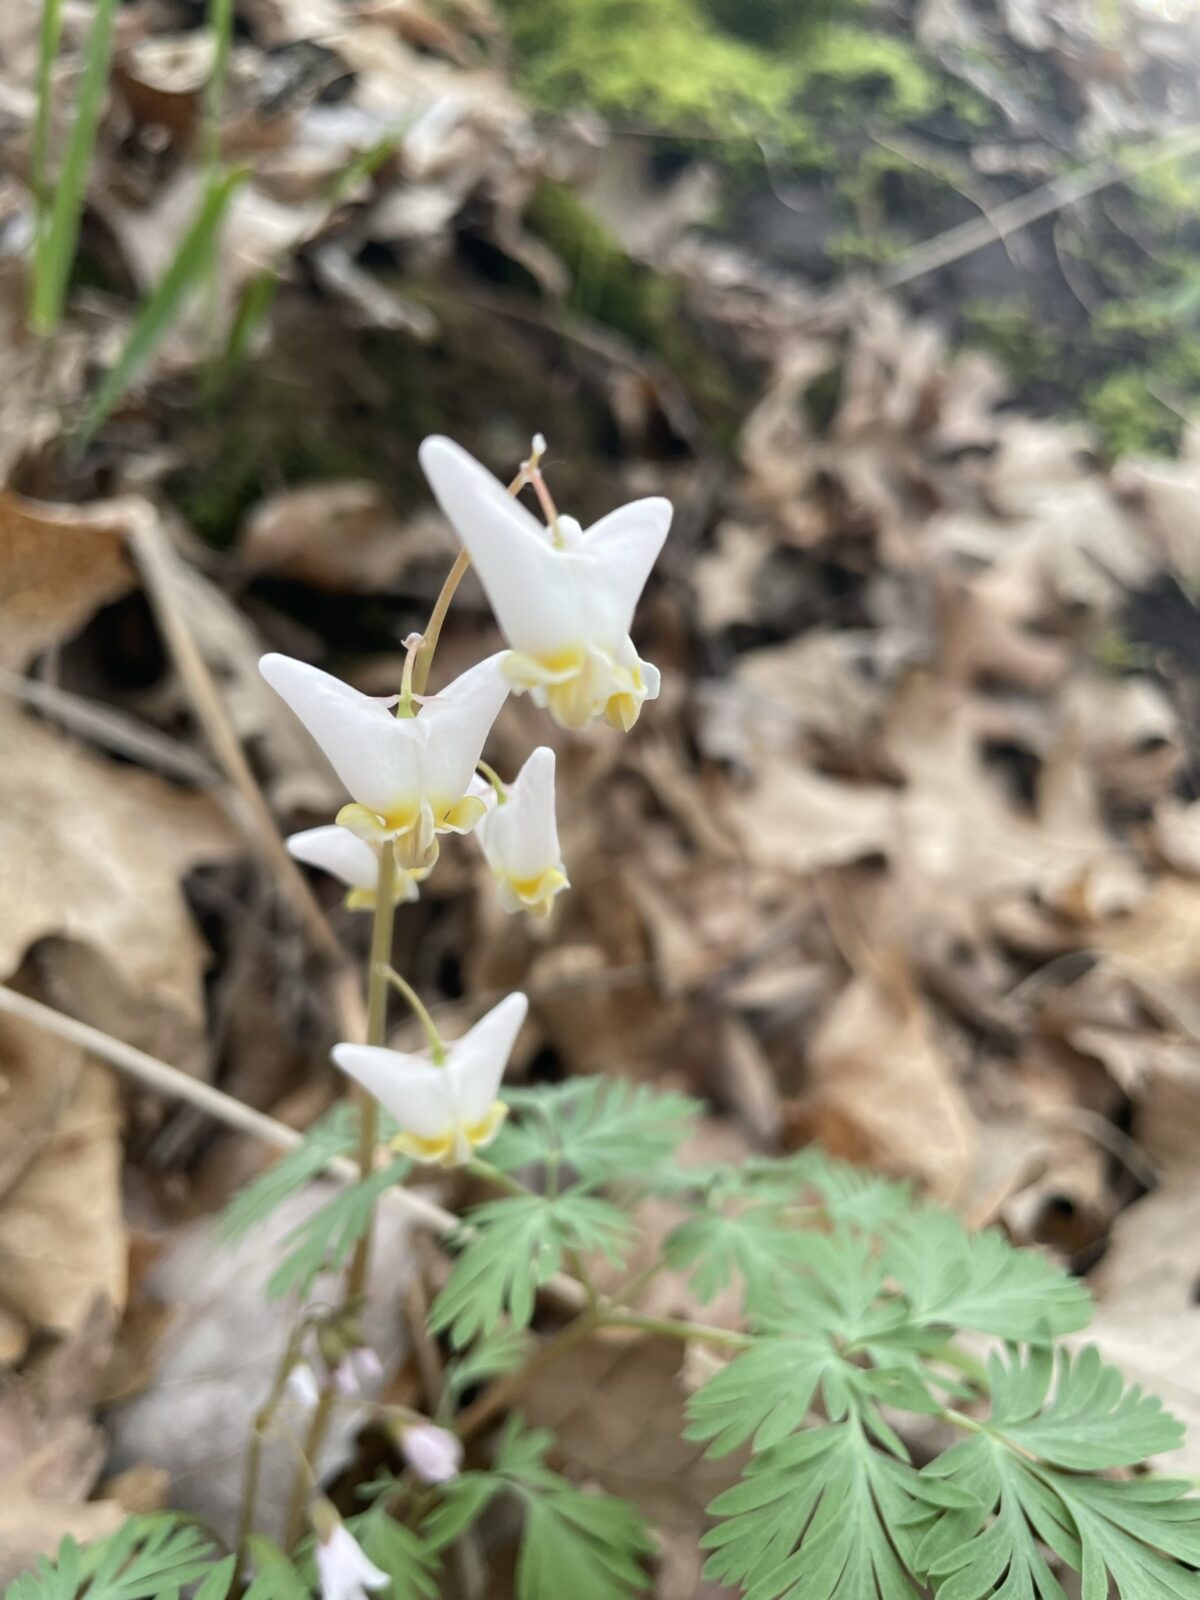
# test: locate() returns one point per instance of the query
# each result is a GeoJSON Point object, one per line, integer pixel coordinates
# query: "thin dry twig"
{"type": "Point", "coordinates": [964, 240]}
{"type": "Point", "coordinates": [113, 729]}
{"type": "Point", "coordinates": [164, 1079]}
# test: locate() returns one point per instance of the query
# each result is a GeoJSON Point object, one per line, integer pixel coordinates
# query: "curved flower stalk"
{"type": "Point", "coordinates": [355, 862]}
{"type": "Point", "coordinates": [445, 1111]}
{"type": "Point", "coordinates": [564, 599]}
{"type": "Point", "coordinates": [519, 837]}
{"type": "Point", "coordinates": [410, 776]}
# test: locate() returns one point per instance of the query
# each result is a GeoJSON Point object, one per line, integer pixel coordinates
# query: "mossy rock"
{"type": "Point", "coordinates": [734, 71]}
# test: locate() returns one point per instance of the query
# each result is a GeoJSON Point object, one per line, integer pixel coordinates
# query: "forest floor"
{"type": "Point", "coordinates": [906, 860]}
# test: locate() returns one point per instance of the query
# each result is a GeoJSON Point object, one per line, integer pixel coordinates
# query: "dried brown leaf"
{"type": "Point", "coordinates": [92, 855]}
{"type": "Point", "coordinates": [54, 575]}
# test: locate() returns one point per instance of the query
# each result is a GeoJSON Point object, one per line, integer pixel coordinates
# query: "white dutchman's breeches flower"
{"type": "Point", "coordinates": [344, 855]}
{"type": "Point", "coordinates": [519, 837]}
{"type": "Point", "coordinates": [343, 1570]}
{"type": "Point", "coordinates": [564, 599]}
{"type": "Point", "coordinates": [444, 1111]}
{"type": "Point", "coordinates": [410, 776]}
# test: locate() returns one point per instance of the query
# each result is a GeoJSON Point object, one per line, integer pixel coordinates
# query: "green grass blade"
{"type": "Point", "coordinates": [220, 21]}
{"type": "Point", "coordinates": [168, 300]}
{"type": "Point", "coordinates": [61, 234]}
{"type": "Point", "coordinates": [47, 51]}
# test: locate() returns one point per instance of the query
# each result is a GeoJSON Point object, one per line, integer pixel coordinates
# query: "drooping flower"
{"type": "Point", "coordinates": [519, 837]}
{"type": "Point", "coordinates": [357, 1371]}
{"type": "Point", "coordinates": [410, 776]}
{"type": "Point", "coordinates": [564, 599]}
{"type": "Point", "coordinates": [343, 1569]}
{"type": "Point", "coordinates": [434, 1454]}
{"type": "Point", "coordinates": [344, 855]}
{"type": "Point", "coordinates": [302, 1385]}
{"type": "Point", "coordinates": [445, 1112]}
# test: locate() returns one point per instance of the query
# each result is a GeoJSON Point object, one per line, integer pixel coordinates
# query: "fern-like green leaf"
{"type": "Point", "coordinates": [766, 1392]}
{"type": "Point", "coordinates": [979, 1281]}
{"type": "Point", "coordinates": [757, 1244]}
{"type": "Point", "coordinates": [1093, 1421]}
{"type": "Point", "coordinates": [1135, 1533]}
{"type": "Point", "coordinates": [502, 1350]}
{"type": "Point", "coordinates": [325, 1239]}
{"type": "Point", "coordinates": [275, 1578]}
{"type": "Point", "coordinates": [335, 1135]}
{"type": "Point", "coordinates": [820, 1517]}
{"type": "Point", "coordinates": [145, 1558]}
{"type": "Point", "coordinates": [518, 1244]}
{"type": "Point", "coordinates": [587, 1546]}
{"type": "Point", "coordinates": [1052, 1422]}
{"type": "Point", "coordinates": [994, 1547]}
{"type": "Point", "coordinates": [409, 1561]}
{"type": "Point", "coordinates": [600, 1129]}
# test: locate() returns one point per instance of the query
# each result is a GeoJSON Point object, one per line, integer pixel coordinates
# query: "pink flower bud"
{"type": "Point", "coordinates": [433, 1454]}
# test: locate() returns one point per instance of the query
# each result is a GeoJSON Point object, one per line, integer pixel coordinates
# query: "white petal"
{"type": "Point", "coordinates": [337, 851]}
{"type": "Point", "coordinates": [478, 1059]}
{"type": "Point", "coordinates": [343, 1567]}
{"type": "Point", "coordinates": [455, 725]}
{"type": "Point", "coordinates": [373, 753]}
{"type": "Point", "coordinates": [527, 580]}
{"type": "Point", "coordinates": [419, 1095]}
{"type": "Point", "coordinates": [480, 789]}
{"type": "Point", "coordinates": [522, 834]}
{"type": "Point", "coordinates": [621, 549]}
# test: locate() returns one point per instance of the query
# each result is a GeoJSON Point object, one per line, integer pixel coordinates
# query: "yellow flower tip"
{"type": "Point", "coordinates": [535, 895]}
{"type": "Point", "coordinates": [455, 1147]}
{"type": "Point", "coordinates": [622, 711]}
{"type": "Point", "coordinates": [570, 704]}
{"type": "Point", "coordinates": [462, 816]}
{"type": "Point", "coordinates": [363, 823]}
{"type": "Point", "coordinates": [525, 672]}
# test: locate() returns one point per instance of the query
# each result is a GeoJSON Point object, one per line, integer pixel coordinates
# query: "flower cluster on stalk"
{"type": "Point", "coordinates": [564, 600]}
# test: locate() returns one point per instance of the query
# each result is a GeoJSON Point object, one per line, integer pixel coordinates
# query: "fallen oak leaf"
{"type": "Point", "coordinates": [91, 855]}
{"type": "Point", "coordinates": [55, 573]}
{"type": "Point", "coordinates": [62, 1237]}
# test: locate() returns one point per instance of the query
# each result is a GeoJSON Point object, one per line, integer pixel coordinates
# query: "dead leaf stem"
{"type": "Point", "coordinates": [159, 566]}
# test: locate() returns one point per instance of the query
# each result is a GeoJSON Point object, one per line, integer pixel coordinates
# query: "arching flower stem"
{"type": "Point", "coordinates": [493, 777]}
{"type": "Point", "coordinates": [437, 1045]}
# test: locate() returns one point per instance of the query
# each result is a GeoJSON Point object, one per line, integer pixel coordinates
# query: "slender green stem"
{"type": "Point", "coordinates": [495, 1399]}
{"type": "Point", "coordinates": [493, 1175]}
{"type": "Point", "coordinates": [377, 991]}
{"type": "Point", "coordinates": [676, 1328]}
{"type": "Point", "coordinates": [306, 1474]}
{"type": "Point", "coordinates": [494, 778]}
{"type": "Point", "coordinates": [437, 1044]}
{"type": "Point", "coordinates": [961, 1420]}
{"type": "Point", "coordinates": [368, 1139]}
{"type": "Point", "coordinates": [437, 616]}
{"type": "Point", "coordinates": [629, 1290]}
{"type": "Point", "coordinates": [254, 1449]}
{"type": "Point", "coordinates": [434, 631]}
{"type": "Point", "coordinates": [962, 1361]}
{"type": "Point", "coordinates": [413, 645]}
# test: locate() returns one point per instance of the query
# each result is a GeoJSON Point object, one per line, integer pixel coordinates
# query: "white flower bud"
{"type": "Point", "coordinates": [434, 1454]}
